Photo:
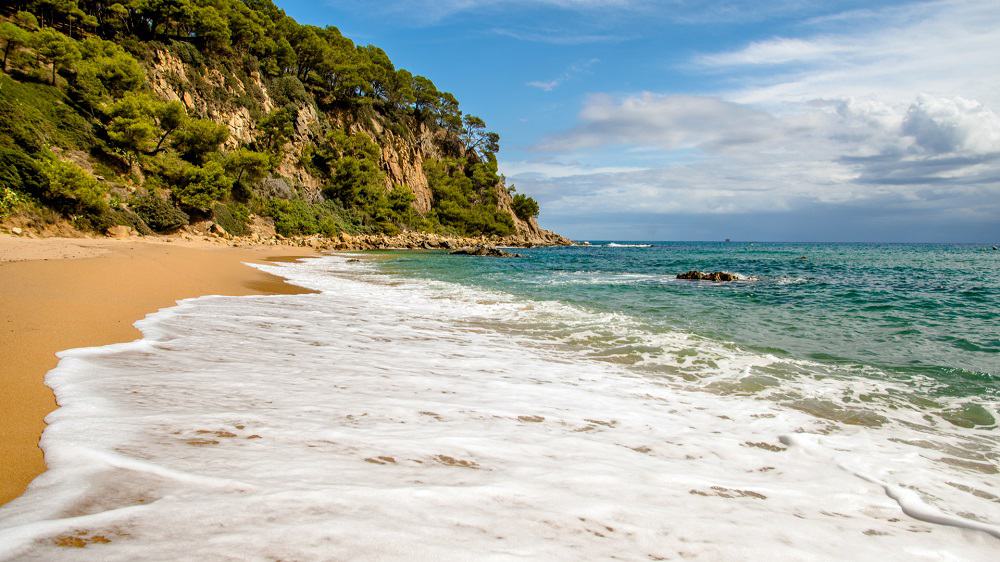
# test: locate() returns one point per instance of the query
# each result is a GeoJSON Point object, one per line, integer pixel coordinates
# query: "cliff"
{"type": "Point", "coordinates": [173, 123]}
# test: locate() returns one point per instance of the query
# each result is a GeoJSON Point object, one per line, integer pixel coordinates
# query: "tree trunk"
{"type": "Point", "coordinates": [53, 73]}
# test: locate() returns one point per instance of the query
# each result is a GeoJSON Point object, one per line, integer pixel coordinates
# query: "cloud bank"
{"type": "Point", "coordinates": [897, 113]}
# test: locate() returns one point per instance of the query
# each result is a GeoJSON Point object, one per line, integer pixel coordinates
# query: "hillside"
{"type": "Point", "coordinates": [159, 114]}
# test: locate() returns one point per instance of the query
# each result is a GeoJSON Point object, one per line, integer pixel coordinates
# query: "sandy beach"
{"type": "Point", "coordinates": [62, 293]}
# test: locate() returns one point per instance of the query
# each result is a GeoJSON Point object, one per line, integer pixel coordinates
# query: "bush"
{"type": "Point", "coordinates": [293, 217]}
{"type": "Point", "coordinates": [200, 187]}
{"type": "Point", "coordinates": [161, 215]}
{"type": "Point", "coordinates": [71, 188]}
{"type": "Point", "coordinates": [232, 217]}
{"type": "Point", "coordinates": [288, 90]}
{"type": "Point", "coordinates": [524, 207]}
{"type": "Point", "coordinates": [9, 200]}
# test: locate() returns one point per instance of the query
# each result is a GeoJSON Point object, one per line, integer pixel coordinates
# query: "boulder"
{"type": "Point", "coordinates": [717, 276]}
{"type": "Point", "coordinates": [217, 230]}
{"type": "Point", "coordinates": [118, 231]}
{"type": "Point", "coordinates": [16, 231]}
{"type": "Point", "coordinates": [483, 250]}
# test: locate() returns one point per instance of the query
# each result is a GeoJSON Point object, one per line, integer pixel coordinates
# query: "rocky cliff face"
{"type": "Point", "coordinates": [236, 101]}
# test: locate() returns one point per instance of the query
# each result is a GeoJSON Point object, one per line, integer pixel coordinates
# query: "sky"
{"type": "Point", "coordinates": [786, 120]}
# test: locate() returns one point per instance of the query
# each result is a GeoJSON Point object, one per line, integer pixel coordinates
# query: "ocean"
{"type": "Point", "coordinates": [578, 403]}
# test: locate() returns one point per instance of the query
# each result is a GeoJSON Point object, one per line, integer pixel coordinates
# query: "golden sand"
{"type": "Point", "coordinates": [58, 294]}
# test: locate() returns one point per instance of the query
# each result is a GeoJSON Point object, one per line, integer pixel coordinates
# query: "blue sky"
{"type": "Point", "coordinates": [688, 119]}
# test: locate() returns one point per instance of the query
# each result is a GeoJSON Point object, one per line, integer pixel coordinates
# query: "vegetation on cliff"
{"type": "Point", "coordinates": [154, 113]}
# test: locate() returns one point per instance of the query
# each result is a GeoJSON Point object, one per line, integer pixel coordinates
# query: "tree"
{"type": "Point", "coordinates": [197, 138]}
{"type": "Point", "coordinates": [60, 51]}
{"type": "Point", "coordinates": [524, 207]}
{"type": "Point", "coordinates": [275, 129]}
{"type": "Point", "coordinates": [132, 125]}
{"type": "Point", "coordinates": [477, 139]}
{"type": "Point", "coordinates": [425, 95]}
{"type": "Point", "coordinates": [14, 38]}
{"type": "Point", "coordinates": [199, 187]}
{"type": "Point", "coordinates": [106, 72]}
{"type": "Point", "coordinates": [247, 165]}
{"type": "Point", "coordinates": [170, 116]}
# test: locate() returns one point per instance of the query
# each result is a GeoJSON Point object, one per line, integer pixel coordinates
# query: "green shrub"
{"type": "Point", "coordinates": [9, 200]}
{"type": "Point", "coordinates": [197, 188]}
{"type": "Point", "coordinates": [234, 217]}
{"type": "Point", "coordinates": [293, 217]}
{"type": "Point", "coordinates": [161, 215]}
{"type": "Point", "coordinates": [20, 172]}
{"type": "Point", "coordinates": [288, 90]}
{"type": "Point", "coordinates": [71, 188]}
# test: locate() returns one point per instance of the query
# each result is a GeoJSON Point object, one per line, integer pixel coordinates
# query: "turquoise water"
{"type": "Point", "coordinates": [926, 312]}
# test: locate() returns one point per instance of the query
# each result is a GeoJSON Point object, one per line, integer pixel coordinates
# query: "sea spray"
{"type": "Point", "coordinates": [387, 417]}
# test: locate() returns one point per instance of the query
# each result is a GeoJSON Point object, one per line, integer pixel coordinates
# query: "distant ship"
{"type": "Point", "coordinates": [728, 240]}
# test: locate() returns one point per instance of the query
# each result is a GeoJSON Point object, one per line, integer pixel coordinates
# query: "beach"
{"type": "Point", "coordinates": [425, 406]}
{"type": "Point", "coordinates": [58, 294]}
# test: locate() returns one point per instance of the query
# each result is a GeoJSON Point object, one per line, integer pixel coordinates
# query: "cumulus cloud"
{"type": "Point", "coordinates": [666, 121]}
{"type": "Point", "coordinates": [896, 111]}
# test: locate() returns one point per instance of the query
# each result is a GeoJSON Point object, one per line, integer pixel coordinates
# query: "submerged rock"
{"type": "Point", "coordinates": [717, 276]}
{"type": "Point", "coordinates": [488, 251]}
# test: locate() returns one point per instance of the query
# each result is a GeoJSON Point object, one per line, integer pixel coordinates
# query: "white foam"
{"type": "Point", "coordinates": [390, 419]}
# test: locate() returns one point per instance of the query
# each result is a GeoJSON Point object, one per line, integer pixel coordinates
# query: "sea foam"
{"type": "Point", "coordinates": [384, 418]}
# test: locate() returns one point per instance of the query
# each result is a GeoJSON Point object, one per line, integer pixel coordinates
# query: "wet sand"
{"type": "Point", "coordinates": [61, 293]}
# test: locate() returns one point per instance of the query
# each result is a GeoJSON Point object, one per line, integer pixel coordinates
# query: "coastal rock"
{"type": "Point", "coordinates": [118, 231]}
{"type": "Point", "coordinates": [487, 251]}
{"type": "Point", "coordinates": [217, 230]}
{"type": "Point", "coordinates": [717, 276]}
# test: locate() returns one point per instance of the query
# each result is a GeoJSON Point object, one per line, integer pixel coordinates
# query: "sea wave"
{"type": "Point", "coordinates": [617, 245]}
{"type": "Point", "coordinates": [389, 418]}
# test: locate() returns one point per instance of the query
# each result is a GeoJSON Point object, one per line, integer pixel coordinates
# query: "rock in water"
{"type": "Point", "coordinates": [488, 251]}
{"type": "Point", "coordinates": [717, 276]}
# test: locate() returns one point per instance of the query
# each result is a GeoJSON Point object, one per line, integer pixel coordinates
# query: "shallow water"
{"type": "Point", "coordinates": [390, 417]}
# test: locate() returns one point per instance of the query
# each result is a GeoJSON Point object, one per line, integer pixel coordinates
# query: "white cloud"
{"type": "Point", "coordinates": [897, 110]}
{"type": "Point", "coordinates": [568, 74]}
{"type": "Point", "coordinates": [945, 48]}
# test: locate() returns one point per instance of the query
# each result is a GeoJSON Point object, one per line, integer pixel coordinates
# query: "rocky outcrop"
{"type": "Point", "coordinates": [236, 99]}
{"type": "Point", "coordinates": [717, 276]}
{"type": "Point", "coordinates": [486, 251]}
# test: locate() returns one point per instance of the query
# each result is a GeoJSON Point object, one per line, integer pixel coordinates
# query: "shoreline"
{"type": "Point", "coordinates": [64, 293]}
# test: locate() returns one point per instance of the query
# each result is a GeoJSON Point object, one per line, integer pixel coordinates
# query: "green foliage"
{"type": "Point", "coordinates": [274, 129]}
{"type": "Point", "coordinates": [34, 116]}
{"type": "Point", "coordinates": [105, 73]}
{"type": "Point", "coordinates": [234, 217]}
{"type": "Point", "coordinates": [293, 217]}
{"type": "Point", "coordinates": [132, 125]}
{"type": "Point", "coordinates": [288, 90]}
{"type": "Point", "coordinates": [524, 207]}
{"type": "Point", "coordinates": [57, 49]}
{"type": "Point", "coordinates": [14, 37]}
{"type": "Point", "coordinates": [465, 197]}
{"type": "Point", "coordinates": [9, 200]}
{"type": "Point", "coordinates": [247, 166]}
{"type": "Point", "coordinates": [160, 214]}
{"type": "Point", "coordinates": [20, 172]}
{"type": "Point", "coordinates": [352, 165]}
{"type": "Point", "coordinates": [71, 188]}
{"type": "Point", "coordinates": [196, 188]}
{"type": "Point", "coordinates": [196, 139]}
{"type": "Point", "coordinates": [105, 111]}
{"type": "Point", "coordinates": [477, 139]}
